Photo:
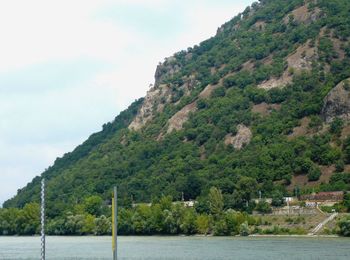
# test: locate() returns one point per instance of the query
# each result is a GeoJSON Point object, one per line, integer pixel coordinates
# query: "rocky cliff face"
{"type": "Point", "coordinates": [162, 93]}
{"type": "Point", "coordinates": [337, 102]}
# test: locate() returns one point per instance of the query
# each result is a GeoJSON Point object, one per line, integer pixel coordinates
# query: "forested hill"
{"type": "Point", "coordinates": [263, 105]}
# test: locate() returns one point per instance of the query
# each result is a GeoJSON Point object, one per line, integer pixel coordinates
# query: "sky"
{"type": "Point", "coordinates": [69, 66]}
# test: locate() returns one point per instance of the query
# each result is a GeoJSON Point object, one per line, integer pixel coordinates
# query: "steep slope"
{"type": "Point", "coordinates": [242, 111]}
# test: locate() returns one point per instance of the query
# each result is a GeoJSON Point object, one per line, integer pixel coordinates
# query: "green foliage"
{"type": "Point", "coordinates": [344, 225]}
{"type": "Point", "coordinates": [315, 122]}
{"type": "Point", "coordinates": [203, 224]}
{"type": "Point", "coordinates": [346, 149]}
{"type": "Point", "coordinates": [277, 199]}
{"type": "Point", "coordinates": [263, 207]}
{"type": "Point", "coordinates": [314, 174]}
{"type": "Point", "coordinates": [244, 229]}
{"type": "Point", "coordinates": [346, 202]}
{"type": "Point", "coordinates": [24, 221]}
{"type": "Point", "coordinates": [338, 182]}
{"type": "Point", "coordinates": [339, 166]}
{"type": "Point", "coordinates": [216, 202]}
{"type": "Point", "coordinates": [336, 126]}
{"type": "Point", "coordinates": [93, 205]}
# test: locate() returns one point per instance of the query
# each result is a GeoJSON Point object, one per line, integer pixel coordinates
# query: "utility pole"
{"type": "Point", "coordinates": [114, 223]}
{"type": "Point", "coordinates": [43, 219]}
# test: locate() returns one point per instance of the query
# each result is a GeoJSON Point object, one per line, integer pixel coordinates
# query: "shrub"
{"type": "Point", "coordinates": [344, 225]}
{"type": "Point", "coordinates": [263, 207]}
{"type": "Point", "coordinates": [314, 174]}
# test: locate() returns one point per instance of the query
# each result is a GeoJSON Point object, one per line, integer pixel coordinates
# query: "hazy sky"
{"type": "Point", "coordinates": [69, 66]}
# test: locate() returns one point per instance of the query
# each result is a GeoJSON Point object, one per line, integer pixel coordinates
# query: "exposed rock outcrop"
{"type": "Point", "coordinates": [161, 93]}
{"type": "Point", "coordinates": [260, 25]}
{"type": "Point", "coordinates": [166, 69]}
{"type": "Point", "coordinates": [303, 15]}
{"type": "Point", "coordinates": [337, 102]}
{"type": "Point", "coordinates": [206, 92]}
{"type": "Point", "coordinates": [154, 101]}
{"type": "Point", "coordinates": [301, 59]}
{"type": "Point", "coordinates": [243, 137]}
{"type": "Point", "coordinates": [177, 120]}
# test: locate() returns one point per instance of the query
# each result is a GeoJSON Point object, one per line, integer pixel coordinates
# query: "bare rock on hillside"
{"type": "Point", "coordinates": [303, 15]}
{"type": "Point", "coordinates": [337, 102]}
{"type": "Point", "coordinates": [242, 138]}
{"type": "Point", "coordinates": [176, 121]}
{"type": "Point", "coordinates": [154, 101]}
{"type": "Point", "coordinates": [300, 60]}
{"type": "Point", "coordinates": [166, 69]}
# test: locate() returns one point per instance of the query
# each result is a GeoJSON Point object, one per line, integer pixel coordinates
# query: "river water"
{"type": "Point", "coordinates": [203, 248]}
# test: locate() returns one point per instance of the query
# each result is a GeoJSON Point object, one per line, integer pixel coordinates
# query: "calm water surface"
{"type": "Point", "coordinates": [203, 248]}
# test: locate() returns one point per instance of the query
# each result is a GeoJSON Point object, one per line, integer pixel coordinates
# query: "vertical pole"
{"type": "Point", "coordinates": [43, 219]}
{"type": "Point", "coordinates": [115, 223]}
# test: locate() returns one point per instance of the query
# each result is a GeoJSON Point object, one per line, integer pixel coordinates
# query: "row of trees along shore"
{"type": "Point", "coordinates": [162, 217]}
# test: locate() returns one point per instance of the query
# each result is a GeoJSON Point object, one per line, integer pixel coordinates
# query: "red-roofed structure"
{"type": "Point", "coordinates": [324, 196]}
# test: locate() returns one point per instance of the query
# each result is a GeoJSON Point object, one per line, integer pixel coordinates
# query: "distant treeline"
{"type": "Point", "coordinates": [163, 216]}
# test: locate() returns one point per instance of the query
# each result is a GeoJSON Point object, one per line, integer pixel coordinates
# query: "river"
{"type": "Point", "coordinates": [154, 247]}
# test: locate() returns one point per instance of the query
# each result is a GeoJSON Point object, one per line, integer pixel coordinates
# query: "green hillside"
{"type": "Point", "coordinates": [261, 106]}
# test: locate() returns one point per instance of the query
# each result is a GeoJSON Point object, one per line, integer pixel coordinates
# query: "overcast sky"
{"type": "Point", "coordinates": [69, 66]}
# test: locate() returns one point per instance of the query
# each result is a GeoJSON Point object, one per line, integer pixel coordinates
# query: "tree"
{"type": "Point", "coordinates": [93, 205]}
{"type": "Point", "coordinates": [31, 217]}
{"type": "Point", "coordinates": [203, 224]}
{"type": "Point", "coordinates": [74, 225]}
{"type": "Point", "coordinates": [188, 225]}
{"type": "Point", "coordinates": [337, 126]}
{"type": "Point", "coordinates": [244, 229]}
{"type": "Point", "coordinates": [346, 201]}
{"type": "Point", "coordinates": [277, 199]}
{"type": "Point", "coordinates": [246, 188]}
{"type": "Point", "coordinates": [346, 148]}
{"type": "Point", "coordinates": [263, 207]}
{"type": "Point", "coordinates": [102, 226]}
{"type": "Point", "coordinates": [344, 226]}
{"type": "Point", "coordinates": [314, 174]}
{"type": "Point", "coordinates": [216, 201]}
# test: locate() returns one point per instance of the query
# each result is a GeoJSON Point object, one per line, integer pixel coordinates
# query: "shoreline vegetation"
{"type": "Point", "coordinates": [165, 217]}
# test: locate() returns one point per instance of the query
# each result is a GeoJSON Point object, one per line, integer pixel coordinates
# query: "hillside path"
{"type": "Point", "coordinates": [322, 224]}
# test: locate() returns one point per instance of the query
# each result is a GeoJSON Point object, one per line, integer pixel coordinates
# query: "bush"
{"type": "Point", "coordinates": [339, 166]}
{"type": "Point", "coordinates": [314, 174]}
{"type": "Point", "coordinates": [344, 225]}
{"type": "Point", "coordinates": [337, 126]}
{"type": "Point", "coordinates": [277, 199]}
{"type": "Point", "coordinates": [263, 207]}
{"type": "Point", "coordinates": [244, 229]}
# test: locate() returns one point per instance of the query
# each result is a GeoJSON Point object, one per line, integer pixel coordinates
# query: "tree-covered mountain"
{"type": "Point", "coordinates": [264, 105]}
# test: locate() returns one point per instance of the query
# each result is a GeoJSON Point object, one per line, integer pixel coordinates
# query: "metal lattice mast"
{"type": "Point", "coordinates": [43, 219]}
